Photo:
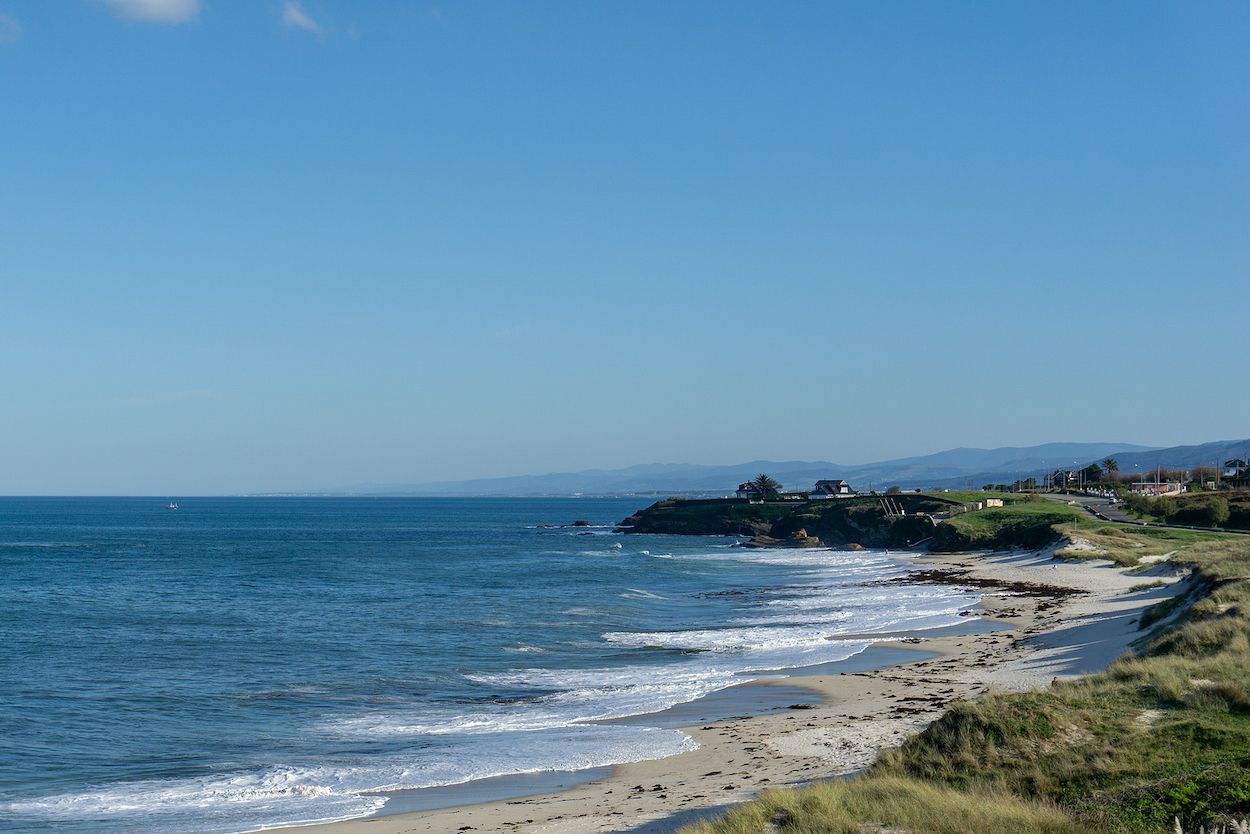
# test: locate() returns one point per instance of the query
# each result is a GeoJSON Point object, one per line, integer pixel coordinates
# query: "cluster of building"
{"type": "Point", "coordinates": [834, 488]}
{"type": "Point", "coordinates": [1157, 489]}
{"type": "Point", "coordinates": [1234, 469]}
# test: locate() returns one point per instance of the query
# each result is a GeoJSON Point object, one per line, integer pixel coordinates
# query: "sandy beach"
{"type": "Point", "coordinates": [1044, 619]}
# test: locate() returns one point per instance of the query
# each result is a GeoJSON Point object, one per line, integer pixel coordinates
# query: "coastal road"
{"type": "Point", "coordinates": [1103, 508]}
{"type": "Point", "coordinates": [1098, 507]}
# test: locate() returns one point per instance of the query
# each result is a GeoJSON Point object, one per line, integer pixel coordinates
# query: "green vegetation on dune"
{"type": "Point", "coordinates": [1162, 734]}
{"type": "Point", "coordinates": [894, 803]}
{"type": "Point", "coordinates": [1126, 545]}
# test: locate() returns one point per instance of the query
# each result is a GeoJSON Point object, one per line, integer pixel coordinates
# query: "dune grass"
{"type": "Point", "coordinates": [1161, 736]}
{"type": "Point", "coordinates": [1127, 545]}
{"type": "Point", "coordinates": [896, 803]}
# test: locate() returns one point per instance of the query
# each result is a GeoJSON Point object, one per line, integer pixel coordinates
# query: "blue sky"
{"type": "Point", "coordinates": [252, 246]}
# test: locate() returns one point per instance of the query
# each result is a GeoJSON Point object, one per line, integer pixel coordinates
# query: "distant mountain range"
{"type": "Point", "coordinates": [952, 468]}
{"type": "Point", "coordinates": [1184, 457]}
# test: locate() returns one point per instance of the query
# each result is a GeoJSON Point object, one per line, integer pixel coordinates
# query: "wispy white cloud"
{"type": "Point", "coordinates": [294, 15]}
{"type": "Point", "coordinates": [156, 11]}
{"type": "Point", "coordinates": [10, 30]}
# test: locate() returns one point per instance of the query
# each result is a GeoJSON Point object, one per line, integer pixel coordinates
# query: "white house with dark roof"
{"type": "Point", "coordinates": [833, 489]}
{"type": "Point", "coordinates": [749, 490]}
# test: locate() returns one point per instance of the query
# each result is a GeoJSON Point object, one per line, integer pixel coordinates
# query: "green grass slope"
{"type": "Point", "coordinates": [1028, 523]}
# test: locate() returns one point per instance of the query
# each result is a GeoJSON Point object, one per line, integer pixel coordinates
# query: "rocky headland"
{"type": "Point", "coordinates": [850, 522]}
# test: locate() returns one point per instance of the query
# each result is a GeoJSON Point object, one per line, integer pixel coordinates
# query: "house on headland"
{"type": "Point", "coordinates": [833, 489]}
{"type": "Point", "coordinates": [824, 489]}
{"type": "Point", "coordinates": [749, 490]}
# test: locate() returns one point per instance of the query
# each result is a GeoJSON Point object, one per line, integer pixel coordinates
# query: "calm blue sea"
{"type": "Point", "coordinates": [241, 663]}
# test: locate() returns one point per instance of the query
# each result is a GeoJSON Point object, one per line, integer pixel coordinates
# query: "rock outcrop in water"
{"type": "Point", "coordinates": [799, 538]}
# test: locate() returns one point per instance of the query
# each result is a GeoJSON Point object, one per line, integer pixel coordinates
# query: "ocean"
{"type": "Point", "coordinates": [253, 662]}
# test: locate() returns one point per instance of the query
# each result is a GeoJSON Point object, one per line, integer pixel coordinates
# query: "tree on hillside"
{"type": "Point", "coordinates": [1111, 465]}
{"type": "Point", "coordinates": [894, 490]}
{"type": "Point", "coordinates": [767, 485]}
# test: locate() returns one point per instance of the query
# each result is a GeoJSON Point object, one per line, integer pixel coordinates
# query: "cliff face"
{"type": "Point", "coordinates": [830, 523]}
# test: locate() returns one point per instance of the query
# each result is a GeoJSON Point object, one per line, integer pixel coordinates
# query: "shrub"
{"type": "Point", "coordinates": [1209, 512]}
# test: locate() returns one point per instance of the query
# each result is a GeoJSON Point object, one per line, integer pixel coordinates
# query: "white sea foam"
{"type": "Point", "coordinates": [293, 795]}
{"type": "Point", "coordinates": [638, 593]}
{"type": "Point", "coordinates": [780, 629]}
{"type": "Point", "coordinates": [577, 696]}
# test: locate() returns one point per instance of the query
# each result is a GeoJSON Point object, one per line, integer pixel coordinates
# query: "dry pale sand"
{"type": "Point", "coordinates": [1045, 635]}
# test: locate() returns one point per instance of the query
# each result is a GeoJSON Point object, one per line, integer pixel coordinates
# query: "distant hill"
{"type": "Point", "coordinates": [954, 467]}
{"type": "Point", "coordinates": [1184, 457]}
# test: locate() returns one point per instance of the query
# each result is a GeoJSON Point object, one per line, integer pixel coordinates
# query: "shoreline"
{"type": "Point", "coordinates": [1041, 619]}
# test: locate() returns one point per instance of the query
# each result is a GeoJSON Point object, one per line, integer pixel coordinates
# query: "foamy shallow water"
{"type": "Point", "coordinates": [250, 663]}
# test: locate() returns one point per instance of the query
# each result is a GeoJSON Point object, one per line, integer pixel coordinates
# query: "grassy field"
{"type": "Point", "coordinates": [1026, 523]}
{"type": "Point", "coordinates": [968, 497]}
{"type": "Point", "coordinates": [1162, 734]}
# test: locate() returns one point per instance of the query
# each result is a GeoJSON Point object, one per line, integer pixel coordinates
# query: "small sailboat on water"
{"type": "Point", "coordinates": [172, 505]}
